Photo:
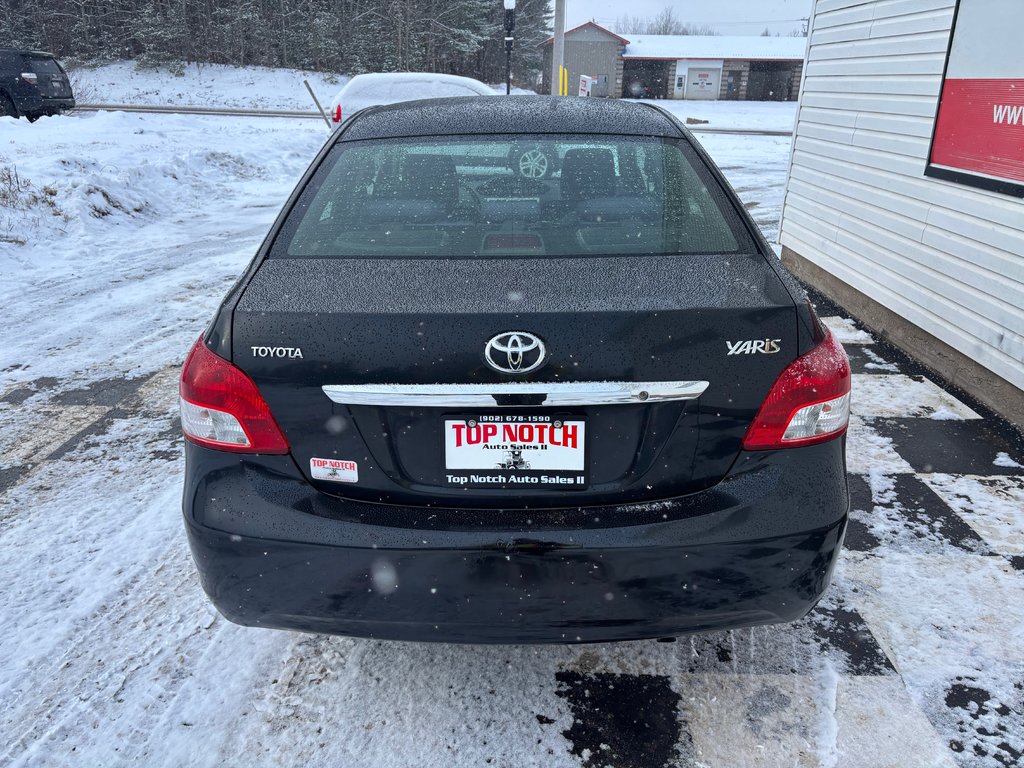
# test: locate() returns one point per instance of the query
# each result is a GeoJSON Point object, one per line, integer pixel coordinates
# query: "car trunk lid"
{"type": "Point", "coordinates": [719, 329]}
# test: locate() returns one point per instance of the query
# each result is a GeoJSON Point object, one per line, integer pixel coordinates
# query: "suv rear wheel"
{"type": "Point", "coordinates": [7, 108]}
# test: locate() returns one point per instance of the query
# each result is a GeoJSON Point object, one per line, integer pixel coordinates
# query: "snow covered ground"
{"type": "Point", "coordinates": [126, 233]}
{"type": "Point", "coordinates": [756, 166]}
{"type": "Point", "coordinates": [209, 85]}
{"type": "Point", "coordinates": [746, 115]}
{"type": "Point", "coordinates": [144, 219]}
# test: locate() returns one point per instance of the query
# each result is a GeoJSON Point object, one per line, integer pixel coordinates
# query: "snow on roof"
{"type": "Point", "coordinates": [392, 87]}
{"type": "Point", "coordinates": [594, 25]}
{"type": "Point", "coordinates": [715, 47]}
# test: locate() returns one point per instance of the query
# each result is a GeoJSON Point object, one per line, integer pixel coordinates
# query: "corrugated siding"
{"type": "Point", "coordinates": [591, 59]}
{"type": "Point", "coordinates": [948, 258]}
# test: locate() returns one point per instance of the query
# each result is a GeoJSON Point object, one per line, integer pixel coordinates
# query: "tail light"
{"type": "Point", "coordinates": [221, 407]}
{"type": "Point", "coordinates": [809, 402]}
{"type": "Point", "coordinates": [30, 77]}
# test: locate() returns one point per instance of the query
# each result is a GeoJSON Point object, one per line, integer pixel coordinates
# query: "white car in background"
{"type": "Point", "coordinates": [391, 87]}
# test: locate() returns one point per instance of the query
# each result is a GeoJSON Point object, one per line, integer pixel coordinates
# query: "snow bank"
{"type": "Point", "coordinates": [133, 169]}
{"type": "Point", "coordinates": [119, 201]}
{"type": "Point", "coordinates": [207, 85]}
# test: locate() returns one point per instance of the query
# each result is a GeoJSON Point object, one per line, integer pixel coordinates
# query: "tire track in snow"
{"type": "Point", "coordinates": [478, 705]}
{"type": "Point", "coordinates": [78, 602]}
{"type": "Point", "coordinates": [88, 693]}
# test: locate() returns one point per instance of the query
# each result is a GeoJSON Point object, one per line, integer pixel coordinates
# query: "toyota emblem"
{"type": "Point", "coordinates": [515, 352]}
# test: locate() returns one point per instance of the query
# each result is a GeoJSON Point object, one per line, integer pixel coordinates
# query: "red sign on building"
{"type": "Point", "coordinates": [978, 138]}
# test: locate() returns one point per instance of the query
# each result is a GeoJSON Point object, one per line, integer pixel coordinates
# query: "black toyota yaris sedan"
{"type": "Point", "coordinates": [470, 396]}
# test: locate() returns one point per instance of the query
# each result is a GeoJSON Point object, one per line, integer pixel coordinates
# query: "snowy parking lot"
{"type": "Point", "coordinates": [120, 233]}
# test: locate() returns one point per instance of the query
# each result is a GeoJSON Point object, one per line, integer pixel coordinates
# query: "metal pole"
{"type": "Point", "coordinates": [510, 25]}
{"type": "Point", "coordinates": [317, 102]}
{"type": "Point", "coordinates": [558, 52]}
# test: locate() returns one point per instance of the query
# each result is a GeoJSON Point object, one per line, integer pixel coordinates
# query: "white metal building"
{"type": "Point", "coordinates": [907, 214]}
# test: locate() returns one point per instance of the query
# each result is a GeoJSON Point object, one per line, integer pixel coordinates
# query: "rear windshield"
{"type": "Point", "coordinates": [512, 195]}
{"type": "Point", "coordinates": [42, 65]}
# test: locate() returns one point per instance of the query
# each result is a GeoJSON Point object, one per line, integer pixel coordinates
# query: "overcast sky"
{"type": "Point", "coordinates": [729, 17]}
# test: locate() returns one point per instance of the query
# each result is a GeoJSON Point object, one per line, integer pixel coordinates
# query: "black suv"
{"type": "Point", "coordinates": [452, 400]}
{"type": "Point", "coordinates": [32, 84]}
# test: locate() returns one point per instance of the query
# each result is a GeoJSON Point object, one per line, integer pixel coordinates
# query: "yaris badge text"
{"type": "Point", "coordinates": [764, 346]}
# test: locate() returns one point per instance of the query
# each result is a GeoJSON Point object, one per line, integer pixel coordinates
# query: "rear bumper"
{"type": "Point", "coordinates": [53, 106]}
{"type": "Point", "coordinates": [35, 104]}
{"type": "Point", "coordinates": [757, 548]}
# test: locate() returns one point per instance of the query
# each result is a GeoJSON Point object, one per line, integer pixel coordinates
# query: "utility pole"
{"type": "Point", "coordinates": [558, 50]}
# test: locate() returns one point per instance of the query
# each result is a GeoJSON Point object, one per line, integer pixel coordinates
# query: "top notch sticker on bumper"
{"type": "Point", "coordinates": [337, 470]}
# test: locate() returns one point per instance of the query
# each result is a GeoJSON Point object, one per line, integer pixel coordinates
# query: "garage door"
{"type": "Point", "coordinates": [703, 83]}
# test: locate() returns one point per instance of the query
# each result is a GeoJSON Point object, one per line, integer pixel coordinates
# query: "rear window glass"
{"type": "Point", "coordinates": [512, 195]}
{"type": "Point", "coordinates": [43, 66]}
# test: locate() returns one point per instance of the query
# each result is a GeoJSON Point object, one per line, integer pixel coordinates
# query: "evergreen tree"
{"type": "Point", "coordinates": [464, 37]}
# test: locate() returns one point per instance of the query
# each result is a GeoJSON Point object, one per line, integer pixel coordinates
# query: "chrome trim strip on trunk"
{"type": "Point", "coordinates": [491, 395]}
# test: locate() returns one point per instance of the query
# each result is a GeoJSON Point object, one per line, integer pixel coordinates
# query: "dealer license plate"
{"type": "Point", "coordinates": [522, 451]}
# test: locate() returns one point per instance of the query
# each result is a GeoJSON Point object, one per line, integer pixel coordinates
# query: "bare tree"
{"type": "Point", "coordinates": [630, 25]}
{"type": "Point", "coordinates": [665, 22]}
